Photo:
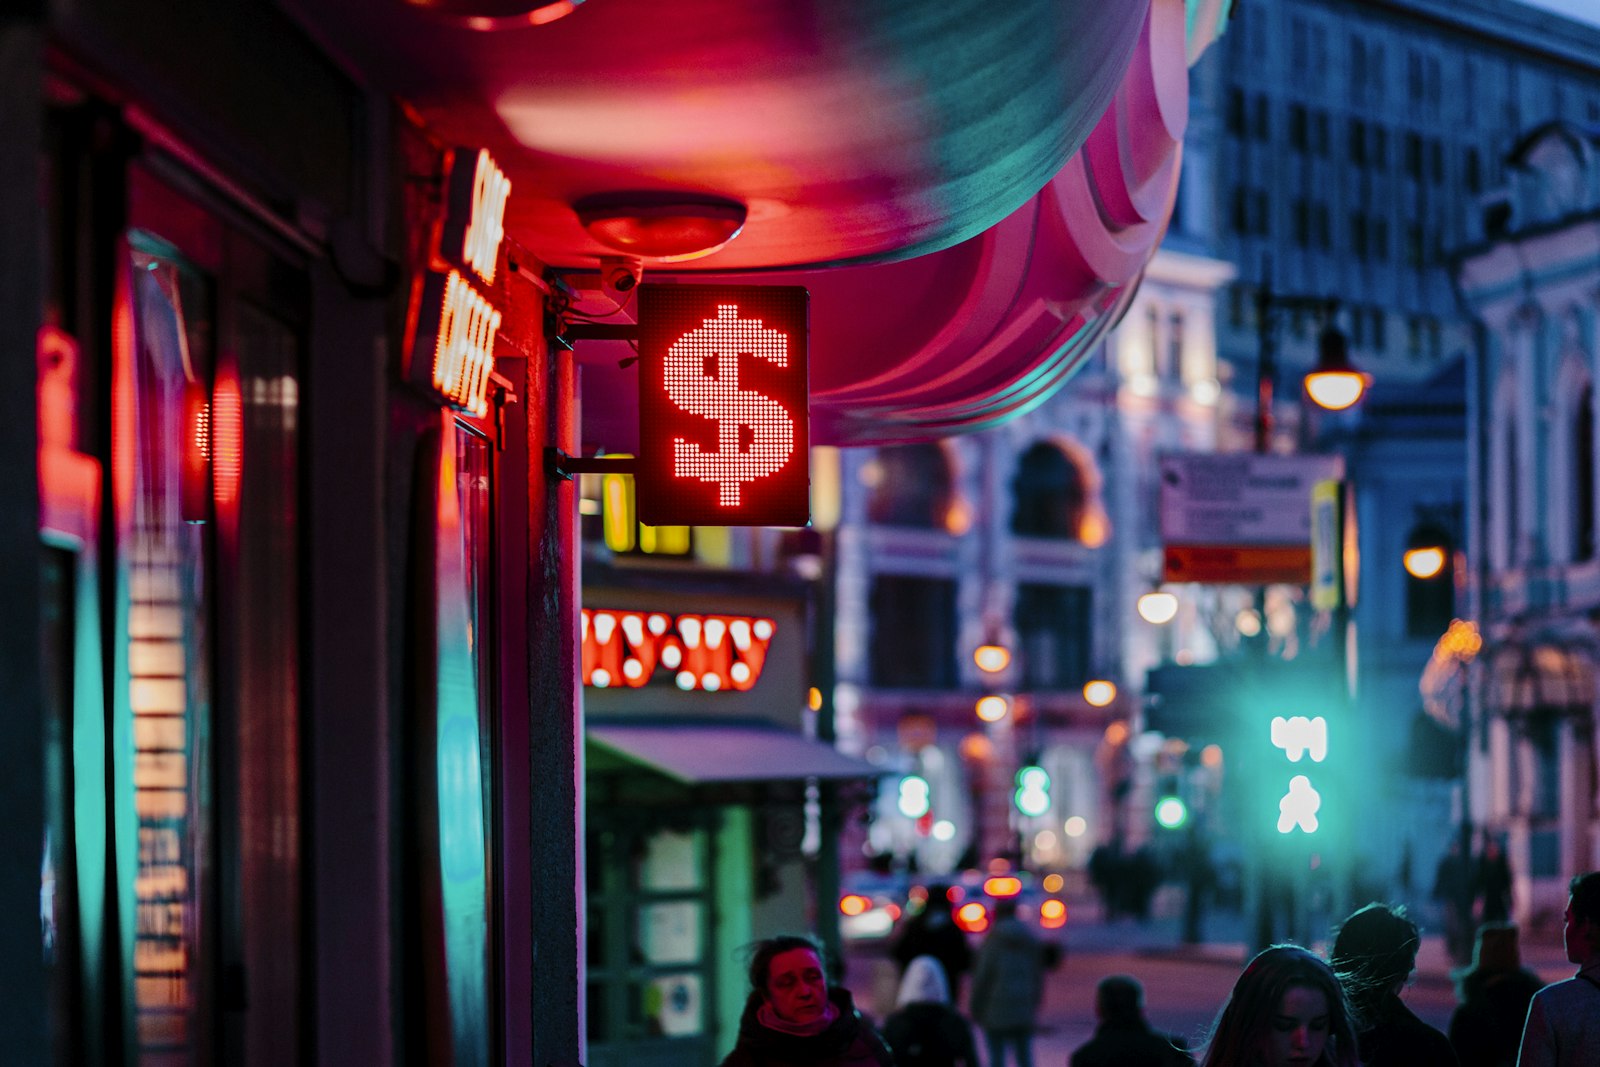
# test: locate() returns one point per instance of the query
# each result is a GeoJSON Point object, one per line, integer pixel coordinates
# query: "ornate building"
{"type": "Point", "coordinates": [1534, 286]}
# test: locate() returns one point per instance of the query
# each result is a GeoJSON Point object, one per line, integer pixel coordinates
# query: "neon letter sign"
{"type": "Point", "coordinates": [454, 318]}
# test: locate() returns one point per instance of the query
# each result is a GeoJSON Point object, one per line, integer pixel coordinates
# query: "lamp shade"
{"type": "Point", "coordinates": [1335, 383]}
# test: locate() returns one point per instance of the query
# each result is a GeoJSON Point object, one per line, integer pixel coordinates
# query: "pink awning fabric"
{"type": "Point", "coordinates": [966, 338]}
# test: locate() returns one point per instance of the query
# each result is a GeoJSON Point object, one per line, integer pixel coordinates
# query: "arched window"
{"type": "Point", "coordinates": [1582, 492]}
{"type": "Point", "coordinates": [1049, 495]}
{"type": "Point", "coordinates": [911, 486]}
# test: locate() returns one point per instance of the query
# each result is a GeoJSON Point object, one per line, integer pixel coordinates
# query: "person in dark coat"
{"type": "Point", "coordinates": [1124, 1037]}
{"type": "Point", "coordinates": [792, 1018]}
{"type": "Point", "coordinates": [1493, 996]}
{"type": "Point", "coordinates": [924, 1030]}
{"type": "Point", "coordinates": [1007, 986]}
{"type": "Point", "coordinates": [1493, 883]}
{"type": "Point", "coordinates": [1374, 953]}
{"type": "Point", "coordinates": [933, 932]}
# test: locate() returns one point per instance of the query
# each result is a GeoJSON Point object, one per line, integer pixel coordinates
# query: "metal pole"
{"type": "Point", "coordinates": [1266, 381]}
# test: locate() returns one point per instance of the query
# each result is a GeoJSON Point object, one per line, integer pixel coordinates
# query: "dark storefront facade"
{"type": "Point", "coordinates": [292, 624]}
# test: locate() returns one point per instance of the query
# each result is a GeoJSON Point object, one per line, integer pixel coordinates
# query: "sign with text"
{"type": "Point", "coordinates": [453, 316]}
{"type": "Point", "coordinates": [1240, 517]}
{"type": "Point", "coordinates": [723, 406]}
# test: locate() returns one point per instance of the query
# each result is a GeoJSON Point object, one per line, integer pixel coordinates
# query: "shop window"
{"type": "Point", "coordinates": [1053, 632]}
{"type": "Point", "coordinates": [913, 632]}
{"type": "Point", "coordinates": [652, 956]}
{"type": "Point", "coordinates": [911, 486]}
{"type": "Point", "coordinates": [1049, 495]}
{"type": "Point", "coordinates": [165, 695]}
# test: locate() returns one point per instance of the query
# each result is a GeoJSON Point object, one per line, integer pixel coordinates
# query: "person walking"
{"type": "Point", "coordinates": [1493, 997]}
{"type": "Point", "coordinates": [1453, 889]}
{"type": "Point", "coordinates": [1374, 953]}
{"type": "Point", "coordinates": [933, 932]}
{"type": "Point", "coordinates": [1493, 886]}
{"type": "Point", "coordinates": [924, 1030]}
{"type": "Point", "coordinates": [1286, 1010]}
{"type": "Point", "coordinates": [793, 1019]}
{"type": "Point", "coordinates": [1007, 986]}
{"type": "Point", "coordinates": [1563, 1027]}
{"type": "Point", "coordinates": [1123, 1037]}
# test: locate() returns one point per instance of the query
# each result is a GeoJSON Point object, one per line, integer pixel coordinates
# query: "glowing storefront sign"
{"type": "Point", "coordinates": [454, 317]}
{"type": "Point", "coordinates": [698, 652]}
{"type": "Point", "coordinates": [723, 406]}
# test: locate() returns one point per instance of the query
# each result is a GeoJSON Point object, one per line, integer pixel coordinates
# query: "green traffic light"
{"type": "Point", "coordinates": [1171, 813]}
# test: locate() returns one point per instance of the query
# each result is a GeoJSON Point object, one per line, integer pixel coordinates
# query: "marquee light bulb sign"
{"type": "Point", "coordinates": [723, 406]}
{"type": "Point", "coordinates": [454, 319]}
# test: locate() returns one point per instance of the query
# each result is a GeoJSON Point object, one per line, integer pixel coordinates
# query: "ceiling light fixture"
{"type": "Point", "coordinates": [663, 226]}
{"type": "Point", "coordinates": [488, 15]}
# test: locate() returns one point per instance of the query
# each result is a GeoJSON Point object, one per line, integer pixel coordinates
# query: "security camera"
{"type": "Point", "coordinates": [620, 273]}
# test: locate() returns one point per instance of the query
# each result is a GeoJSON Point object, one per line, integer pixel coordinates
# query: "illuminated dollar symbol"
{"type": "Point", "coordinates": [755, 435]}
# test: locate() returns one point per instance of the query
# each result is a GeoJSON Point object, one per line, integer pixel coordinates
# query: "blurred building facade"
{"type": "Point", "coordinates": [1349, 149]}
{"type": "Point", "coordinates": [1533, 284]}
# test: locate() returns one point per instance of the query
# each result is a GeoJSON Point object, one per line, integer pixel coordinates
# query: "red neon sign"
{"type": "Point", "coordinates": [625, 649]}
{"type": "Point", "coordinates": [723, 406]}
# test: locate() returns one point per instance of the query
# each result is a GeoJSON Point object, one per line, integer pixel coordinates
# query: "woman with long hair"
{"type": "Point", "coordinates": [1286, 1010]}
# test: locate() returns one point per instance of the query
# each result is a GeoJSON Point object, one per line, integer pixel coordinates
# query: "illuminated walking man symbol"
{"type": "Point", "coordinates": [1300, 737]}
{"type": "Point", "coordinates": [755, 435]}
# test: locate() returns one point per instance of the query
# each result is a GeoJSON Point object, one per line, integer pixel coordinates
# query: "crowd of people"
{"type": "Point", "coordinates": [1289, 1006]}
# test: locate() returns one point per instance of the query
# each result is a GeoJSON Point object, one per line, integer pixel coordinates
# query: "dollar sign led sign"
{"type": "Point", "coordinates": [723, 406]}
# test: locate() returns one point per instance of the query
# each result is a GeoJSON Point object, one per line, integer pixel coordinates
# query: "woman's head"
{"type": "Point", "coordinates": [787, 972]}
{"type": "Point", "coordinates": [1286, 1010]}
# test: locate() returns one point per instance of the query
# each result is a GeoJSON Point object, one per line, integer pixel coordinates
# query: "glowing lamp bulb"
{"type": "Point", "coordinates": [1158, 607]}
{"type": "Point", "coordinates": [992, 708]}
{"type": "Point", "coordinates": [1335, 390]}
{"type": "Point", "coordinates": [1424, 562]}
{"type": "Point", "coordinates": [992, 659]}
{"type": "Point", "coordinates": [1099, 693]}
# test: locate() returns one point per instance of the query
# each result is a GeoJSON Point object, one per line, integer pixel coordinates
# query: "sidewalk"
{"type": "Point", "coordinates": [1186, 984]}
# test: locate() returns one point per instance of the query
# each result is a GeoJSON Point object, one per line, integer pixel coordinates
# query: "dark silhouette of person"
{"type": "Point", "coordinates": [924, 1030]}
{"type": "Point", "coordinates": [1007, 986]}
{"type": "Point", "coordinates": [933, 932]}
{"type": "Point", "coordinates": [1563, 1027]}
{"type": "Point", "coordinates": [1123, 1037]}
{"type": "Point", "coordinates": [1492, 1000]}
{"type": "Point", "coordinates": [1374, 954]}
{"type": "Point", "coordinates": [1493, 884]}
{"type": "Point", "coordinates": [1453, 889]}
